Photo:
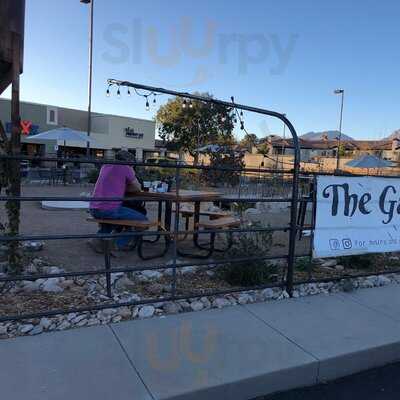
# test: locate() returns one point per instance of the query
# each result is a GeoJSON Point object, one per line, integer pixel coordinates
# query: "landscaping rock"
{"type": "Point", "coordinates": [31, 269]}
{"type": "Point", "coordinates": [171, 308]}
{"type": "Point", "coordinates": [24, 329]}
{"type": "Point", "coordinates": [3, 330]}
{"type": "Point", "coordinates": [348, 286]}
{"type": "Point", "coordinates": [78, 319]}
{"type": "Point", "coordinates": [125, 283]}
{"type": "Point", "coordinates": [30, 286]}
{"type": "Point", "coordinates": [51, 286]}
{"type": "Point", "coordinates": [125, 312]}
{"type": "Point", "coordinates": [64, 325]}
{"type": "Point", "coordinates": [32, 246]}
{"type": "Point", "coordinates": [45, 323]}
{"type": "Point", "coordinates": [107, 313]}
{"type": "Point", "coordinates": [151, 274]}
{"type": "Point", "coordinates": [37, 330]}
{"type": "Point", "coordinates": [188, 270]}
{"type": "Point", "coordinates": [206, 302]}
{"type": "Point", "coordinates": [383, 280]}
{"type": "Point", "coordinates": [155, 288]}
{"type": "Point", "coordinates": [329, 263]}
{"type": "Point", "coordinates": [146, 312]}
{"type": "Point", "coordinates": [53, 270]}
{"type": "Point", "coordinates": [244, 298]}
{"type": "Point", "coordinates": [185, 305]}
{"type": "Point", "coordinates": [221, 302]}
{"type": "Point", "coordinates": [268, 294]}
{"type": "Point", "coordinates": [196, 306]}
{"type": "Point", "coordinates": [135, 312]}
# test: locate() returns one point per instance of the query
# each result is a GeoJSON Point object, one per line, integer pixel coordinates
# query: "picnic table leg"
{"type": "Point", "coordinates": [196, 220]}
{"type": "Point", "coordinates": [168, 215]}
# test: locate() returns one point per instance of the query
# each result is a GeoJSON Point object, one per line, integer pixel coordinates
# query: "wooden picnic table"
{"type": "Point", "coordinates": [184, 196]}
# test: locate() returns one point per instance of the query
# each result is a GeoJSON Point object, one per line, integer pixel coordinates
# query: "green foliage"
{"type": "Point", "coordinates": [303, 264]}
{"type": "Point", "coordinates": [192, 127]}
{"type": "Point", "coordinates": [364, 261]}
{"type": "Point", "coordinates": [264, 149]}
{"type": "Point", "coordinates": [224, 159]}
{"type": "Point", "coordinates": [342, 150]}
{"type": "Point", "coordinates": [249, 141]}
{"type": "Point", "coordinates": [248, 273]}
{"type": "Point", "coordinates": [93, 175]}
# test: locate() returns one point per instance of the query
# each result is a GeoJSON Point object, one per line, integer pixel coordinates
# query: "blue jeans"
{"type": "Point", "coordinates": [117, 213]}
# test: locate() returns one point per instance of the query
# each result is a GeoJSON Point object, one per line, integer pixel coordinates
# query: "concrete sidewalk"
{"type": "Point", "coordinates": [235, 353]}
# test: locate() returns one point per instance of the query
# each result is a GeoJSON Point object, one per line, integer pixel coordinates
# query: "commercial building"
{"type": "Point", "coordinates": [110, 132]}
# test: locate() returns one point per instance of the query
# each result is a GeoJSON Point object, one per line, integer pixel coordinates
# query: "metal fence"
{"type": "Point", "coordinates": [292, 189]}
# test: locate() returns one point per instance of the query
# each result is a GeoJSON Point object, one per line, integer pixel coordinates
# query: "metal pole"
{"type": "Point", "coordinates": [339, 91]}
{"type": "Point", "coordinates": [89, 116]}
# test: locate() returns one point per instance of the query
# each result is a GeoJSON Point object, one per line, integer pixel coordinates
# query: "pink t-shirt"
{"type": "Point", "coordinates": [112, 182]}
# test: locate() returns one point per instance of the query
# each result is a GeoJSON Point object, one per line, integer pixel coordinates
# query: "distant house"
{"type": "Point", "coordinates": [312, 150]}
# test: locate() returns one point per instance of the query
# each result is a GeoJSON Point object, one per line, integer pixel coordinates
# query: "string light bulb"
{"type": "Point", "coordinates": [241, 113]}
{"type": "Point", "coordinates": [147, 104]}
{"type": "Point", "coordinates": [154, 100]}
{"type": "Point", "coordinates": [223, 119]}
{"type": "Point", "coordinates": [118, 92]}
{"type": "Point", "coordinates": [129, 92]}
{"type": "Point", "coordinates": [241, 125]}
{"type": "Point", "coordinates": [108, 92]}
{"type": "Point", "coordinates": [190, 104]}
{"type": "Point", "coordinates": [184, 104]}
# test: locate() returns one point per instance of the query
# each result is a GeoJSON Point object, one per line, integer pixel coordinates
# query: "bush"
{"type": "Point", "coordinates": [248, 273]}
{"type": "Point", "coordinates": [223, 160]}
{"type": "Point", "coordinates": [304, 264]}
{"type": "Point", "coordinates": [93, 175]}
{"type": "Point", "coordinates": [364, 261]}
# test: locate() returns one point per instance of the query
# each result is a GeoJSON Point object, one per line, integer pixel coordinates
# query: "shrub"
{"type": "Point", "coordinates": [303, 264]}
{"type": "Point", "coordinates": [93, 175]}
{"type": "Point", "coordinates": [226, 159]}
{"type": "Point", "coordinates": [364, 261]}
{"type": "Point", "coordinates": [248, 273]}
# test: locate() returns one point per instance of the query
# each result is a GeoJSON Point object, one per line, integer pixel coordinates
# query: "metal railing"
{"type": "Point", "coordinates": [172, 234]}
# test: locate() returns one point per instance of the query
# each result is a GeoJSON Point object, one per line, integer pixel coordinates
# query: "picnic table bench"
{"type": "Point", "coordinates": [139, 226]}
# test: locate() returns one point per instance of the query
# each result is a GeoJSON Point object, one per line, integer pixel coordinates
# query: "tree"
{"type": "Point", "coordinates": [231, 164]}
{"type": "Point", "coordinates": [193, 124]}
{"type": "Point", "coordinates": [249, 141]}
{"type": "Point", "coordinates": [10, 180]}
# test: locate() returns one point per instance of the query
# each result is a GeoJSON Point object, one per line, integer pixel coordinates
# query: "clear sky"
{"type": "Point", "coordinates": [286, 55]}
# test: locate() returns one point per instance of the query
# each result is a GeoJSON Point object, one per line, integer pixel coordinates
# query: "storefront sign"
{"type": "Point", "coordinates": [130, 132]}
{"type": "Point", "coordinates": [356, 215]}
{"type": "Point", "coordinates": [27, 128]}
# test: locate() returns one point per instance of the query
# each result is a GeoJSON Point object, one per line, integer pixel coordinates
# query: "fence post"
{"type": "Point", "coordinates": [293, 207]}
{"type": "Point", "coordinates": [107, 262]}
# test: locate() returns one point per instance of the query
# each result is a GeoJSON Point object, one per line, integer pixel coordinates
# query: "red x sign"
{"type": "Point", "coordinates": [26, 127]}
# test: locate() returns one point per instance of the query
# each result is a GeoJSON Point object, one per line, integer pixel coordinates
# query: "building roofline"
{"type": "Point", "coordinates": [78, 109]}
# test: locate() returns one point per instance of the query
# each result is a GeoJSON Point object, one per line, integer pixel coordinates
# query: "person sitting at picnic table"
{"type": "Point", "coordinates": [114, 181]}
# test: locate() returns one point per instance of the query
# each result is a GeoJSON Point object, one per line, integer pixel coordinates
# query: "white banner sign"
{"type": "Point", "coordinates": [356, 215]}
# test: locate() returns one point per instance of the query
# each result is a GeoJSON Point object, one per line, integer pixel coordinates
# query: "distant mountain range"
{"type": "Point", "coordinates": [332, 135]}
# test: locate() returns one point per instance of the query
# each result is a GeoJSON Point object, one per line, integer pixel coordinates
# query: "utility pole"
{"type": "Point", "coordinates": [90, 73]}
{"type": "Point", "coordinates": [341, 92]}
